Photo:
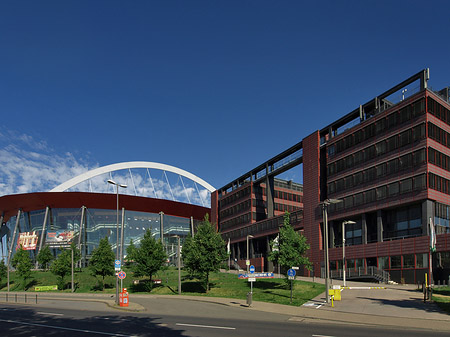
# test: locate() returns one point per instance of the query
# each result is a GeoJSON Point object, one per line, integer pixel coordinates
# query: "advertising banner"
{"type": "Point", "coordinates": [28, 240]}
{"type": "Point", "coordinates": [59, 238]}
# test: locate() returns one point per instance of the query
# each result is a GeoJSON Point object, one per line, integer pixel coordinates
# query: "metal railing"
{"type": "Point", "coordinates": [361, 272]}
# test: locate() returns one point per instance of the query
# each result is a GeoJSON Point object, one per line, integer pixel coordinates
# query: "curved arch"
{"type": "Point", "coordinates": [129, 165]}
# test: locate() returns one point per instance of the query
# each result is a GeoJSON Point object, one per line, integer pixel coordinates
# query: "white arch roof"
{"type": "Point", "coordinates": [129, 165]}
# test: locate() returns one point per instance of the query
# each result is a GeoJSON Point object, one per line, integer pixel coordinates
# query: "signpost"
{"type": "Point", "coordinates": [121, 275]}
{"type": "Point", "coordinates": [291, 276]}
{"type": "Point", "coordinates": [117, 265]}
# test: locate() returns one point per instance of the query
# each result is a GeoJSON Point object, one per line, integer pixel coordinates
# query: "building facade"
{"type": "Point", "coordinates": [385, 169]}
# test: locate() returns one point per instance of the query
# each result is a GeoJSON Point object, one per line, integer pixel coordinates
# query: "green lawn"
{"type": "Point", "coordinates": [221, 285]}
{"type": "Point", "coordinates": [441, 296]}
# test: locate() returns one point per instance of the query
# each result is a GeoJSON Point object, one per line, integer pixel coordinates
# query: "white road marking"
{"type": "Point", "coordinates": [206, 326]}
{"type": "Point", "coordinates": [321, 336]}
{"type": "Point", "coordinates": [64, 328]}
{"type": "Point", "coordinates": [49, 313]}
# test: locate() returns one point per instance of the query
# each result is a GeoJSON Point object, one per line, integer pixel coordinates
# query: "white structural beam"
{"type": "Point", "coordinates": [129, 165]}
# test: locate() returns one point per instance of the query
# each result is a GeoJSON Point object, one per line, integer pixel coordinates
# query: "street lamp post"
{"type": "Point", "coordinates": [349, 222]}
{"type": "Point", "coordinates": [325, 205]}
{"type": "Point", "coordinates": [247, 261]}
{"type": "Point", "coordinates": [112, 182]}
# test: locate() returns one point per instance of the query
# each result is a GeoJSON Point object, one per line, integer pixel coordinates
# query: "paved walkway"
{"type": "Point", "coordinates": [399, 306]}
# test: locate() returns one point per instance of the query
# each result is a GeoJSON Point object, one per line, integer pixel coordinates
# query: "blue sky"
{"type": "Point", "coordinates": [212, 87]}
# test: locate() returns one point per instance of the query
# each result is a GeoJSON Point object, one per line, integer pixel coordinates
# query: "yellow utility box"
{"type": "Point", "coordinates": [336, 293]}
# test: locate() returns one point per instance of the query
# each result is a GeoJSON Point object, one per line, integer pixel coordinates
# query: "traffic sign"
{"type": "Point", "coordinates": [247, 262]}
{"type": "Point", "coordinates": [122, 275]}
{"type": "Point", "coordinates": [117, 265]}
{"type": "Point", "coordinates": [252, 269]}
{"type": "Point", "coordinates": [256, 275]}
{"type": "Point", "coordinates": [291, 274]}
{"type": "Point", "coordinates": [252, 279]}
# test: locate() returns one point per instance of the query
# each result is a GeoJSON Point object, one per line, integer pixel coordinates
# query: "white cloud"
{"type": "Point", "coordinates": [28, 166]}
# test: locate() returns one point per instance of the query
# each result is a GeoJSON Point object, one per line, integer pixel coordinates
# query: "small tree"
{"type": "Point", "coordinates": [290, 250]}
{"type": "Point", "coordinates": [148, 258]}
{"type": "Point", "coordinates": [22, 263]}
{"type": "Point", "coordinates": [44, 257]}
{"type": "Point", "coordinates": [102, 261]}
{"type": "Point", "coordinates": [62, 266]}
{"type": "Point", "coordinates": [205, 252]}
{"type": "Point", "coordinates": [3, 270]}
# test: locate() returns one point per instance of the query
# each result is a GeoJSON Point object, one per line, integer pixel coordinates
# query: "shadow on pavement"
{"type": "Point", "coordinates": [411, 303]}
{"type": "Point", "coordinates": [28, 322]}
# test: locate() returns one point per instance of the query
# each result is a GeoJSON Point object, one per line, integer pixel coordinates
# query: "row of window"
{"type": "Point", "coordinates": [262, 226]}
{"type": "Point", "coordinates": [237, 221]}
{"type": "Point", "coordinates": [286, 208]}
{"type": "Point", "coordinates": [288, 196]}
{"type": "Point", "coordinates": [235, 196]}
{"type": "Point", "coordinates": [288, 184]}
{"type": "Point", "coordinates": [438, 110]}
{"type": "Point", "coordinates": [371, 152]}
{"type": "Point", "coordinates": [439, 159]}
{"type": "Point", "coordinates": [379, 127]}
{"type": "Point", "coordinates": [386, 191]}
{"type": "Point", "coordinates": [439, 135]}
{"type": "Point", "coordinates": [235, 209]}
{"type": "Point", "coordinates": [407, 161]}
{"type": "Point", "coordinates": [438, 183]}
{"type": "Point", "coordinates": [385, 262]}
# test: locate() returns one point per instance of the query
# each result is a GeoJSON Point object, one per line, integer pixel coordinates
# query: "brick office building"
{"type": "Point", "coordinates": [388, 163]}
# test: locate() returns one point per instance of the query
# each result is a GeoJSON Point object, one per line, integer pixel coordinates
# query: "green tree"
{"type": "Point", "coordinates": [290, 250]}
{"type": "Point", "coordinates": [148, 258]}
{"type": "Point", "coordinates": [22, 263]}
{"type": "Point", "coordinates": [131, 252]}
{"type": "Point", "coordinates": [45, 256]}
{"type": "Point", "coordinates": [3, 270]}
{"type": "Point", "coordinates": [62, 266]}
{"type": "Point", "coordinates": [102, 261]}
{"type": "Point", "coordinates": [205, 252]}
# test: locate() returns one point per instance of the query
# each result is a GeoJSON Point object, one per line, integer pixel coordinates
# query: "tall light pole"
{"type": "Point", "coordinates": [349, 222]}
{"type": "Point", "coordinates": [325, 205]}
{"type": "Point", "coordinates": [112, 182]}
{"type": "Point", "coordinates": [247, 262]}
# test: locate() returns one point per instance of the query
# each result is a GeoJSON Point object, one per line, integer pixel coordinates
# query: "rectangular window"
{"type": "Point", "coordinates": [406, 185]}
{"type": "Point", "coordinates": [408, 261]}
{"type": "Point", "coordinates": [383, 262]}
{"type": "Point", "coordinates": [393, 189]}
{"type": "Point", "coordinates": [396, 262]}
{"type": "Point", "coordinates": [422, 260]}
{"type": "Point", "coordinates": [381, 192]}
{"type": "Point", "coordinates": [391, 143]}
{"type": "Point", "coordinates": [369, 196]}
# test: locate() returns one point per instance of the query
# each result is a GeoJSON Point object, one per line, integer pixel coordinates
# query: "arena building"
{"type": "Point", "coordinates": [66, 214]}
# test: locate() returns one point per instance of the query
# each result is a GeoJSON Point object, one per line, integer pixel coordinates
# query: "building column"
{"type": "Point", "coordinates": [161, 227]}
{"type": "Point", "coordinates": [427, 214]}
{"type": "Point", "coordinates": [364, 229]}
{"type": "Point", "coordinates": [269, 193]}
{"type": "Point", "coordinates": [379, 227]}
{"type": "Point", "coordinates": [331, 233]}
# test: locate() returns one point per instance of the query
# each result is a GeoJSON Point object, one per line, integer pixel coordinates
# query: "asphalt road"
{"type": "Point", "coordinates": [171, 318]}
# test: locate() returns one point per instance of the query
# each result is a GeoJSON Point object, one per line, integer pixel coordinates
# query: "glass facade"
{"type": "Point", "coordinates": [64, 223]}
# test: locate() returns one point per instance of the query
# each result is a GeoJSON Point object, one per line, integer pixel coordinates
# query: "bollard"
{"type": "Point", "coordinates": [36, 298]}
{"type": "Point", "coordinates": [249, 298]}
{"type": "Point", "coordinates": [332, 301]}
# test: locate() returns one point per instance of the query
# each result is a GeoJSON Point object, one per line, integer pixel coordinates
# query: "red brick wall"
{"type": "Point", "coordinates": [311, 198]}
{"type": "Point", "coordinates": [215, 209]}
